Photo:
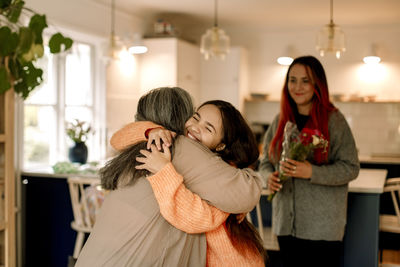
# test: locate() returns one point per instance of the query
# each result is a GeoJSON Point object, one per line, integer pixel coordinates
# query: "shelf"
{"type": "Point", "coordinates": [2, 225]}
{"type": "Point", "coordinates": [2, 138]}
{"type": "Point", "coordinates": [252, 100]}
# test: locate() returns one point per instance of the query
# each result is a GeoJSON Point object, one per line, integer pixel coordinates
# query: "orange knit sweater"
{"type": "Point", "coordinates": [188, 212]}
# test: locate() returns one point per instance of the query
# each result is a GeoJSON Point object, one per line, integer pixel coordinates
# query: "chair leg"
{"type": "Point", "coordinates": [78, 244]}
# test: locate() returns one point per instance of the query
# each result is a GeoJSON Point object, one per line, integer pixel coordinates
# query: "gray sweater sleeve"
{"type": "Point", "coordinates": [343, 164]}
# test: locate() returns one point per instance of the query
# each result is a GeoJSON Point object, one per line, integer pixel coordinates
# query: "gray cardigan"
{"type": "Point", "coordinates": [315, 209]}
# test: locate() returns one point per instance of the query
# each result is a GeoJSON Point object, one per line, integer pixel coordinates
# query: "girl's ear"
{"type": "Point", "coordinates": [220, 147]}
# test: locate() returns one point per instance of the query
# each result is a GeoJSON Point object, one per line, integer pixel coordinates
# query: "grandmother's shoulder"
{"type": "Point", "coordinates": [184, 143]}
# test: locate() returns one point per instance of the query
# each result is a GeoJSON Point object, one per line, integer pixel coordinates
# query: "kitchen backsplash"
{"type": "Point", "coordinates": [375, 126]}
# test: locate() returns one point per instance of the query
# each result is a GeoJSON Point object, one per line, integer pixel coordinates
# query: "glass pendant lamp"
{"type": "Point", "coordinates": [331, 38]}
{"type": "Point", "coordinates": [115, 45]}
{"type": "Point", "coordinates": [215, 42]}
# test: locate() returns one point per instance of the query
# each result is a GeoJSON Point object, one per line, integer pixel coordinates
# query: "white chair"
{"type": "Point", "coordinates": [391, 223]}
{"type": "Point", "coordinates": [86, 199]}
{"type": "Point", "coordinates": [267, 235]}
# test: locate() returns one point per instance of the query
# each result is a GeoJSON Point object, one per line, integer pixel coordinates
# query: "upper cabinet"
{"type": "Point", "coordinates": [225, 79]}
{"type": "Point", "coordinates": [171, 62]}
{"type": "Point", "coordinates": [174, 62]}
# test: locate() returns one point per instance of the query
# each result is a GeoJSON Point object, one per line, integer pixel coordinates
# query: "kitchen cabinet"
{"type": "Point", "coordinates": [7, 180]}
{"type": "Point", "coordinates": [171, 62]}
{"type": "Point", "coordinates": [46, 220]}
{"type": "Point", "coordinates": [225, 79]}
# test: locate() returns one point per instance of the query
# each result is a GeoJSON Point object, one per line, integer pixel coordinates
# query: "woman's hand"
{"type": "Point", "coordinates": [155, 160]}
{"type": "Point", "coordinates": [158, 134]}
{"type": "Point", "coordinates": [273, 182]}
{"type": "Point", "coordinates": [297, 169]}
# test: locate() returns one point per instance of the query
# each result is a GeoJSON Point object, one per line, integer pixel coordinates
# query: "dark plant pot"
{"type": "Point", "coordinates": [78, 153]}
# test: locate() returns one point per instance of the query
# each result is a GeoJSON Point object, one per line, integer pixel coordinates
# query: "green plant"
{"type": "Point", "coordinates": [21, 45]}
{"type": "Point", "coordinates": [78, 131]}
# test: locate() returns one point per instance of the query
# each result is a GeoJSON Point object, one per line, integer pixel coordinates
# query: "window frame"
{"type": "Point", "coordinates": [97, 150]}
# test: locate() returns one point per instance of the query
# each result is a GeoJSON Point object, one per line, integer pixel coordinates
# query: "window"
{"type": "Point", "coordinates": [68, 92]}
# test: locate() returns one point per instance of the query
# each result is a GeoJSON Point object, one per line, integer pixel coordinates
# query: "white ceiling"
{"type": "Point", "coordinates": [268, 12]}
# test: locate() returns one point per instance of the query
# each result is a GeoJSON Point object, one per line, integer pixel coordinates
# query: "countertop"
{"type": "Point", "coordinates": [379, 159]}
{"type": "Point", "coordinates": [369, 181]}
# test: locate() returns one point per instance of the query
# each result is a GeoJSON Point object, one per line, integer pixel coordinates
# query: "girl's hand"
{"type": "Point", "coordinates": [296, 169]}
{"type": "Point", "coordinates": [155, 160]}
{"type": "Point", "coordinates": [273, 182]}
{"type": "Point", "coordinates": [158, 134]}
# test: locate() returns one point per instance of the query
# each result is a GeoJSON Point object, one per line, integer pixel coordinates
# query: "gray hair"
{"type": "Point", "coordinates": [170, 107]}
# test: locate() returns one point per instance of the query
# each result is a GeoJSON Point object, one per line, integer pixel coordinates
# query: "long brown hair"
{"type": "Point", "coordinates": [166, 106]}
{"type": "Point", "coordinates": [320, 111]}
{"type": "Point", "coordinates": [240, 150]}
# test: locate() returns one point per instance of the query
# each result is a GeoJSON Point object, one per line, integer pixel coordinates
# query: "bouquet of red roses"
{"type": "Point", "coordinates": [298, 146]}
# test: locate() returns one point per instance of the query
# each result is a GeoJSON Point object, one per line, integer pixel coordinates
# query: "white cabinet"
{"type": "Point", "coordinates": [171, 62]}
{"type": "Point", "coordinates": [225, 79]}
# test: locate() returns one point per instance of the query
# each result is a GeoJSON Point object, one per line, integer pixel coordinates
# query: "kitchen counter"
{"type": "Point", "coordinates": [369, 181]}
{"type": "Point", "coordinates": [379, 159]}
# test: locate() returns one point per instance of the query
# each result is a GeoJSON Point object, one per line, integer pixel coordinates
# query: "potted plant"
{"type": "Point", "coordinates": [78, 132]}
{"type": "Point", "coordinates": [21, 45]}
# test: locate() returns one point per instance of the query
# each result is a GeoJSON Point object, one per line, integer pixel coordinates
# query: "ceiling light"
{"type": "Point", "coordinates": [287, 58]}
{"type": "Point", "coordinates": [285, 61]}
{"type": "Point", "coordinates": [331, 38]}
{"type": "Point", "coordinates": [137, 46]}
{"type": "Point", "coordinates": [372, 55]}
{"type": "Point", "coordinates": [215, 42]}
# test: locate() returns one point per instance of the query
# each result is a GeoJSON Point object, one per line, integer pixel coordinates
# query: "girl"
{"type": "Point", "coordinates": [309, 210]}
{"type": "Point", "coordinates": [130, 230]}
{"type": "Point", "coordinates": [220, 127]}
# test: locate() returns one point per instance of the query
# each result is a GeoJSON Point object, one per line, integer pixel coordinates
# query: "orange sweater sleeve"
{"type": "Point", "coordinates": [181, 207]}
{"type": "Point", "coordinates": [130, 134]}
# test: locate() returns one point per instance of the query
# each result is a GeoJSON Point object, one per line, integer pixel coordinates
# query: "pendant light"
{"type": "Point", "coordinates": [331, 38]}
{"type": "Point", "coordinates": [115, 46]}
{"type": "Point", "coordinates": [214, 42]}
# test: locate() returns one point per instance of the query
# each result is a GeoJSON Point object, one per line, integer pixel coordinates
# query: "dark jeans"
{"type": "Point", "coordinates": [310, 253]}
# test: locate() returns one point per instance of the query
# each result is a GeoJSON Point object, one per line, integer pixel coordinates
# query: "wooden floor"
{"type": "Point", "coordinates": [390, 256]}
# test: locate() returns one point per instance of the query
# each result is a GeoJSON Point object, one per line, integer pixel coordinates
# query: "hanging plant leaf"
{"type": "Point", "coordinates": [37, 25]}
{"type": "Point", "coordinates": [14, 67]}
{"type": "Point", "coordinates": [59, 43]}
{"type": "Point", "coordinates": [5, 4]}
{"type": "Point", "coordinates": [30, 78]}
{"type": "Point", "coordinates": [36, 51]}
{"type": "Point", "coordinates": [15, 12]}
{"type": "Point", "coordinates": [4, 83]}
{"type": "Point", "coordinates": [25, 39]}
{"type": "Point", "coordinates": [8, 41]}
{"type": "Point", "coordinates": [22, 45]}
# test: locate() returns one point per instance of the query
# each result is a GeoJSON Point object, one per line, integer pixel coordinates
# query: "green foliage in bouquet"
{"type": "Point", "coordinates": [21, 45]}
{"type": "Point", "coordinates": [298, 146]}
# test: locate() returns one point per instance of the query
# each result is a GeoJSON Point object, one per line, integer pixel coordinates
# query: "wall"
{"type": "Point", "coordinates": [375, 126]}
{"type": "Point", "coordinates": [264, 44]}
